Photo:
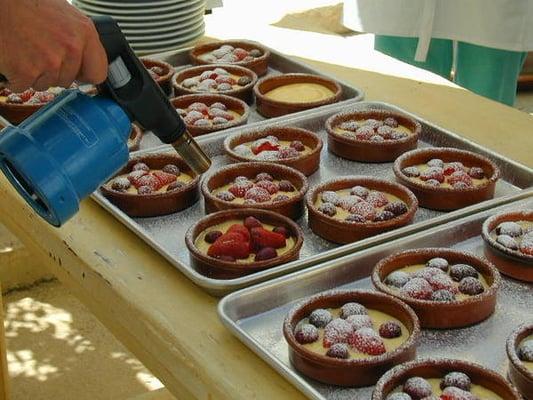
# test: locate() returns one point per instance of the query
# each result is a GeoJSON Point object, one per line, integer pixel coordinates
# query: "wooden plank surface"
{"type": "Point", "coordinates": [170, 324]}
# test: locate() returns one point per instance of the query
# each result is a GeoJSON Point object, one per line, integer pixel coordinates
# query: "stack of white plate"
{"type": "Point", "coordinates": [152, 26]}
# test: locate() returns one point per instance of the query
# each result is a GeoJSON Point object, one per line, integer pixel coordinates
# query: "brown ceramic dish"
{"type": "Point", "coordinates": [274, 108]}
{"type": "Point", "coordinates": [349, 372]}
{"type": "Point", "coordinates": [151, 205]}
{"type": "Point", "coordinates": [244, 93]}
{"type": "Point", "coordinates": [339, 231]}
{"type": "Point", "coordinates": [366, 150]}
{"type": "Point", "coordinates": [306, 164]}
{"type": "Point", "coordinates": [259, 64]}
{"type": "Point", "coordinates": [438, 368]}
{"type": "Point", "coordinates": [443, 198]}
{"type": "Point", "coordinates": [445, 314]}
{"type": "Point", "coordinates": [512, 263]}
{"type": "Point", "coordinates": [232, 103]}
{"type": "Point", "coordinates": [220, 269]}
{"type": "Point", "coordinates": [519, 375]}
{"type": "Point", "coordinates": [292, 208]}
{"type": "Point", "coordinates": [134, 141]}
{"type": "Point", "coordinates": [162, 80]}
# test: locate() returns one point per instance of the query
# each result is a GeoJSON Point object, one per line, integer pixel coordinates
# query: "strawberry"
{"type": "Point", "coordinates": [241, 230]}
{"type": "Point", "coordinates": [239, 189]}
{"type": "Point", "coordinates": [460, 176]}
{"type": "Point", "coordinates": [164, 178]}
{"type": "Point", "coordinates": [452, 167]}
{"type": "Point", "coordinates": [264, 145]}
{"type": "Point", "coordinates": [200, 107]}
{"type": "Point", "coordinates": [225, 79]}
{"type": "Point", "coordinates": [229, 244]}
{"type": "Point", "coordinates": [134, 176]}
{"type": "Point", "coordinates": [148, 180]}
{"type": "Point", "coordinates": [271, 187]}
{"type": "Point", "coordinates": [5, 92]}
{"type": "Point", "coordinates": [44, 97]}
{"type": "Point", "coordinates": [367, 341]}
{"type": "Point", "coordinates": [454, 393]}
{"type": "Point", "coordinates": [337, 331]}
{"type": "Point", "coordinates": [263, 238]}
{"type": "Point", "coordinates": [240, 53]}
{"type": "Point", "coordinates": [27, 94]}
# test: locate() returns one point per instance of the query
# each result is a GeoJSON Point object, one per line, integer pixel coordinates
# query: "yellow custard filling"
{"type": "Point", "coordinates": [203, 246]}
{"type": "Point", "coordinates": [528, 364]}
{"type": "Point", "coordinates": [300, 93]}
{"type": "Point", "coordinates": [479, 391]}
{"type": "Point", "coordinates": [183, 177]}
{"type": "Point", "coordinates": [378, 318]}
{"type": "Point", "coordinates": [241, 200]}
{"type": "Point", "coordinates": [445, 184]}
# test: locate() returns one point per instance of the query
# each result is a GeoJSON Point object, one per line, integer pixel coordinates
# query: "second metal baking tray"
{"type": "Point", "coordinates": [166, 233]}
{"type": "Point", "coordinates": [255, 315]}
{"type": "Point", "coordinates": [278, 63]}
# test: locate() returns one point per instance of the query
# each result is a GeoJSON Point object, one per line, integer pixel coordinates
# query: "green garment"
{"type": "Point", "coordinates": [486, 71]}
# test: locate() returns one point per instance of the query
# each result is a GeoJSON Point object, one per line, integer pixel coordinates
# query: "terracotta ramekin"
{"type": "Point", "coordinates": [520, 376]}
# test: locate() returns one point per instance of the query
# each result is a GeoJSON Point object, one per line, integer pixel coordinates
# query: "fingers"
{"type": "Point", "coordinates": [94, 59]}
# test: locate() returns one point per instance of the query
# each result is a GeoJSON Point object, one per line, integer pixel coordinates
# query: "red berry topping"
{"type": "Point", "coordinates": [145, 190]}
{"type": "Point", "coordinates": [526, 246]}
{"type": "Point", "coordinates": [347, 202]}
{"type": "Point", "coordinates": [396, 207]}
{"type": "Point", "coordinates": [239, 189]}
{"type": "Point", "coordinates": [148, 180]}
{"type": "Point", "coordinates": [391, 122]}
{"type": "Point", "coordinates": [417, 288]}
{"type": "Point", "coordinates": [27, 94]}
{"type": "Point", "coordinates": [164, 178]}
{"type": "Point", "coordinates": [208, 75]}
{"type": "Point", "coordinates": [266, 253]}
{"type": "Point", "coordinates": [200, 107]}
{"type": "Point", "coordinates": [320, 318]}
{"type": "Point", "coordinates": [397, 279]}
{"type": "Point", "coordinates": [212, 236]}
{"type": "Point", "coordinates": [264, 238]}
{"type": "Point", "coordinates": [225, 79]}
{"type": "Point", "coordinates": [438, 262]}
{"type": "Point", "coordinates": [383, 216]}
{"type": "Point", "coordinates": [360, 191]}
{"type": "Point", "coordinates": [264, 145]}
{"type": "Point", "coordinates": [297, 145]}
{"type": "Point", "coordinates": [460, 176]}
{"type": "Point", "coordinates": [442, 281]}
{"type": "Point", "coordinates": [241, 230]}
{"type": "Point", "coordinates": [337, 331]}
{"type": "Point", "coordinates": [252, 222]}
{"type": "Point", "coordinates": [417, 388]}
{"type": "Point", "coordinates": [282, 230]}
{"type": "Point", "coordinates": [349, 126]}
{"type": "Point", "coordinates": [442, 295]}
{"type": "Point", "coordinates": [286, 186]}
{"type": "Point", "coordinates": [215, 112]}
{"type": "Point", "coordinates": [352, 308]}
{"type": "Point", "coordinates": [225, 196]}
{"type": "Point", "coordinates": [220, 106]}
{"type": "Point", "coordinates": [367, 341]}
{"type": "Point", "coordinates": [390, 329]}
{"type": "Point", "coordinates": [257, 194]}
{"type": "Point", "coordinates": [5, 92]}
{"type": "Point", "coordinates": [306, 333]}
{"type": "Point", "coordinates": [287, 152]}
{"type": "Point", "coordinates": [44, 97]}
{"type": "Point", "coordinates": [241, 54]}
{"type": "Point", "coordinates": [471, 286]}
{"type": "Point", "coordinates": [456, 379]}
{"type": "Point", "coordinates": [328, 209]}
{"type": "Point", "coordinates": [120, 184]}
{"type": "Point", "coordinates": [175, 185]}
{"type": "Point", "coordinates": [476, 173]}
{"type": "Point", "coordinates": [134, 176]}
{"type": "Point", "coordinates": [339, 350]}
{"type": "Point", "coordinates": [359, 321]}
{"type": "Point", "coordinates": [229, 244]}
{"type": "Point", "coordinates": [427, 273]}
{"type": "Point", "coordinates": [355, 218]}
{"type": "Point", "coordinates": [171, 169]}
{"type": "Point", "coordinates": [192, 117]}
{"type": "Point", "coordinates": [141, 167]}
{"type": "Point", "coordinates": [269, 186]}
{"type": "Point", "coordinates": [14, 98]}
{"type": "Point", "coordinates": [452, 167]}
{"type": "Point", "coordinates": [432, 173]}
{"type": "Point", "coordinates": [460, 271]}
{"type": "Point", "coordinates": [263, 176]}
{"type": "Point", "coordinates": [411, 172]}
{"type": "Point", "coordinates": [364, 209]}
{"type": "Point", "coordinates": [364, 133]}
{"type": "Point", "coordinates": [244, 80]}
{"type": "Point", "coordinates": [454, 393]}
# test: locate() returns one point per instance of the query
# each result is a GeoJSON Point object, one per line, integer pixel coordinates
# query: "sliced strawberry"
{"type": "Point", "coordinates": [27, 94]}
{"type": "Point", "coordinates": [337, 331]}
{"type": "Point", "coordinates": [229, 244]}
{"type": "Point", "coordinates": [240, 188]}
{"type": "Point", "coordinates": [240, 53]}
{"type": "Point", "coordinates": [263, 238]}
{"type": "Point", "coordinates": [454, 393]}
{"type": "Point", "coordinates": [148, 180]}
{"type": "Point", "coordinates": [241, 230]}
{"type": "Point", "coordinates": [367, 341]}
{"type": "Point", "coordinates": [134, 176]}
{"type": "Point", "coordinates": [460, 176]}
{"type": "Point", "coordinates": [164, 178]}
{"type": "Point", "coordinates": [264, 145]}
{"type": "Point", "coordinates": [44, 97]}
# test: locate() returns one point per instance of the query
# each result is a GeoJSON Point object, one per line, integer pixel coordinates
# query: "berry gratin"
{"type": "Point", "coordinates": [271, 148]}
{"type": "Point", "coordinates": [216, 80]}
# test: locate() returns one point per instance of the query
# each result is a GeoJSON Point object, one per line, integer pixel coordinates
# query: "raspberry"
{"type": "Point", "coordinates": [328, 209]}
{"type": "Point", "coordinates": [359, 191]}
{"type": "Point", "coordinates": [339, 350]}
{"type": "Point", "coordinates": [417, 388]}
{"type": "Point", "coordinates": [525, 351]}
{"type": "Point", "coordinates": [432, 173]}
{"type": "Point", "coordinates": [256, 53]}
{"type": "Point", "coordinates": [396, 208]}
{"type": "Point", "coordinates": [397, 135]}
{"type": "Point", "coordinates": [263, 176]}
{"type": "Point", "coordinates": [284, 231]}
{"type": "Point", "coordinates": [329, 197]}
{"type": "Point", "coordinates": [164, 178]}
{"type": "Point", "coordinates": [385, 131]}
{"type": "Point", "coordinates": [383, 216]}
{"type": "Point", "coordinates": [376, 138]}
{"type": "Point", "coordinates": [241, 179]}
{"type": "Point", "coordinates": [390, 330]}
{"type": "Point", "coordinates": [355, 218]}
{"type": "Point", "coordinates": [120, 184]}
{"type": "Point", "coordinates": [442, 281]}
{"type": "Point", "coordinates": [390, 122]}
{"type": "Point", "coordinates": [286, 186]}
{"type": "Point", "coordinates": [359, 321]}
{"type": "Point", "coordinates": [145, 190]}
{"type": "Point", "coordinates": [269, 186]}
{"type": "Point", "coordinates": [364, 133]}
{"type": "Point", "coordinates": [241, 230]}
{"type": "Point", "coordinates": [337, 331]}
{"type": "Point", "coordinates": [148, 180]}
{"type": "Point", "coordinates": [27, 94]}
{"type": "Point", "coordinates": [192, 117]}
{"type": "Point", "coordinates": [367, 341]}
{"type": "Point", "coordinates": [266, 253]}
{"type": "Point", "coordinates": [507, 241]}
{"type": "Point", "coordinates": [471, 286]}
{"type": "Point", "coordinates": [225, 79]}
{"type": "Point", "coordinates": [509, 228]}
{"type": "Point", "coordinates": [442, 295]}
{"type": "Point", "coordinates": [141, 167]}
{"type": "Point", "coordinates": [456, 379]}
{"type": "Point", "coordinates": [417, 288]}
{"type": "Point", "coordinates": [261, 238]}
{"type": "Point", "coordinates": [427, 273]}
{"type": "Point", "coordinates": [306, 333]}
{"type": "Point", "coordinates": [244, 80]}
{"type": "Point", "coordinates": [452, 167]}
{"type": "Point", "coordinates": [208, 75]}
{"type": "Point", "coordinates": [526, 246]}
{"type": "Point", "coordinates": [280, 197]}
{"type": "Point", "coordinates": [399, 396]}
{"type": "Point", "coordinates": [320, 318]}
{"type": "Point", "coordinates": [288, 152]}
{"type": "Point", "coordinates": [460, 176]}
{"type": "Point", "coordinates": [411, 172]}
{"type": "Point", "coordinates": [171, 169]}
{"type": "Point", "coordinates": [175, 185]}
{"type": "Point", "coordinates": [364, 209]}
{"type": "Point", "coordinates": [460, 271]}
{"type": "Point", "coordinates": [438, 262]}
{"type": "Point", "coordinates": [454, 393]}
{"type": "Point", "coordinates": [373, 123]}
{"type": "Point", "coordinates": [252, 222]}
{"type": "Point", "coordinates": [397, 279]}
{"type": "Point", "coordinates": [349, 126]}
{"type": "Point", "coordinates": [347, 202]}
{"type": "Point", "coordinates": [225, 196]}
{"type": "Point", "coordinates": [261, 145]}
{"type": "Point", "coordinates": [229, 244]}
{"type": "Point", "coordinates": [476, 173]}
{"type": "Point", "coordinates": [257, 194]}
{"type": "Point", "coordinates": [352, 309]}
{"type": "Point", "coordinates": [200, 107]}
{"type": "Point", "coordinates": [219, 106]}
{"type": "Point", "coordinates": [239, 189]}
{"type": "Point", "coordinates": [435, 162]}
{"type": "Point", "coordinates": [212, 236]}
{"type": "Point", "coordinates": [216, 112]}
{"type": "Point", "coordinates": [240, 54]}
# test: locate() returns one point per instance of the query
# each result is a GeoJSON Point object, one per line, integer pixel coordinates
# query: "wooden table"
{"type": "Point", "coordinates": [167, 322]}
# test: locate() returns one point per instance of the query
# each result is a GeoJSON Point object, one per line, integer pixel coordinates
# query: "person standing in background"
{"type": "Point", "coordinates": [484, 42]}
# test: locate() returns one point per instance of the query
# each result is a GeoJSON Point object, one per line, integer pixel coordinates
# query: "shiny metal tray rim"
{"type": "Point", "coordinates": [224, 306]}
{"type": "Point", "coordinates": [219, 288]}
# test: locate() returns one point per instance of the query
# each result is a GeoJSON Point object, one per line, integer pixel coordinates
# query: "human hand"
{"type": "Point", "coordinates": [46, 43]}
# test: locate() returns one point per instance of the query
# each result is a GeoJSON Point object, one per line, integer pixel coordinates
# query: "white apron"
{"type": "Point", "coordinates": [501, 24]}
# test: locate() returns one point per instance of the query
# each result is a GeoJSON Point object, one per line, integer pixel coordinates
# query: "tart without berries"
{"type": "Point", "coordinates": [447, 178]}
{"type": "Point", "coordinates": [446, 288]}
{"type": "Point", "coordinates": [230, 80]}
{"type": "Point", "coordinates": [508, 241]}
{"type": "Point", "coordinates": [351, 208]}
{"type": "Point", "coordinates": [256, 185]}
{"type": "Point", "coordinates": [371, 136]}
{"type": "Point", "coordinates": [284, 94]}
{"type": "Point", "coordinates": [206, 113]}
{"type": "Point", "coordinates": [520, 354]}
{"type": "Point", "coordinates": [153, 185]}
{"type": "Point", "coordinates": [161, 72]}
{"type": "Point", "coordinates": [233, 243]}
{"type": "Point", "coordinates": [295, 147]}
{"type": "Point", "coordinates": [350, 338]}
{"type": "Point", "coordinates": [443, 379]}
{"type": "Point", "coordinates": [247, 54]}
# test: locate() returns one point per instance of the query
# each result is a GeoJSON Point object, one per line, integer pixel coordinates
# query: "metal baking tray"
{"type": "Point", "coordinates": [165, 234]}
{"type": "Point", "coordinates": [255, 315]}
{"type": "Point", "coordinates": [279, 63]}
{"type": "Point", "coordinates": [3, 123]}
